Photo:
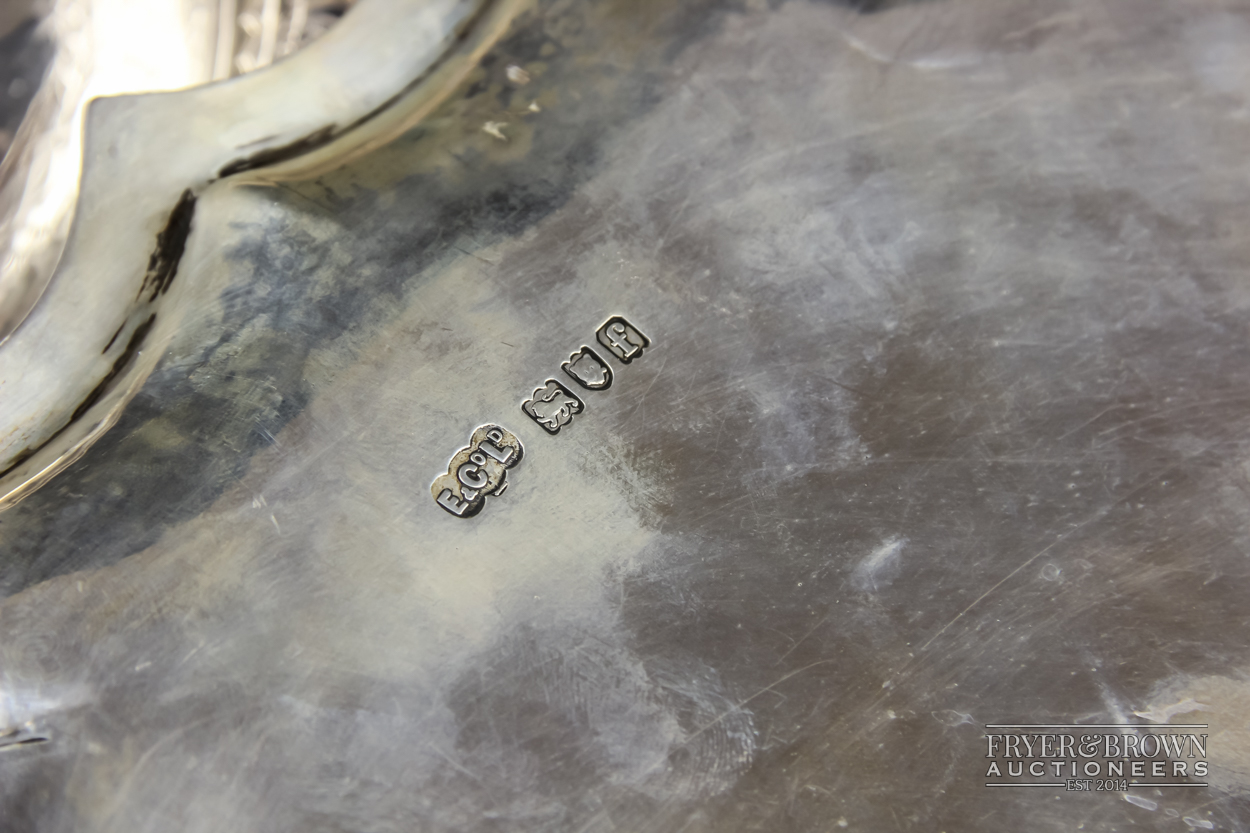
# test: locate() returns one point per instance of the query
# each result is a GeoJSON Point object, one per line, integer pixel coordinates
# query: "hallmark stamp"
{"type": "Point", "coordinates": [552, 406]}
{"type": "Point", "coordinates": [477, 471]}
{"type": "Point", "coordinates": [622, 338]}
{"type": "Point", "coordinates": [588, 370]}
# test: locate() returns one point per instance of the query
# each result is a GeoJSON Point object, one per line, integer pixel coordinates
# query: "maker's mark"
{"type": "Point", "coordinates": [477, 471]}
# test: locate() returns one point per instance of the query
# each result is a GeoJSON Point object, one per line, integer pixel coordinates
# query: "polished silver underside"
{"type": "Point", "coordinates": [944, 421]}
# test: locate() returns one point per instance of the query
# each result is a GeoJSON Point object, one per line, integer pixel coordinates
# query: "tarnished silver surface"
{"type": "Point", "coordinates": [941, 422]}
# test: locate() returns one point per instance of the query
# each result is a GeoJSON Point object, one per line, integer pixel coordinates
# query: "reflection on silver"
{"type": "Point", "coordinates": [107, 48]}
{"type": "Point", "coordinates": [96, 55]}
{"type": "Point", "coordinates": [254, 33]}
{"type": "Point", "coordinates": [102, 323]}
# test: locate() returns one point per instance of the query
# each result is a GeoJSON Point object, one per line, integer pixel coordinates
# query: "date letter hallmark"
{"type": "Point", "coordinates": [477, 471]}
{"type": "Point", "coordinates": [619, 336]}
{"type": "Point", "coordinates": [552, 406]}
{"type": "Point", "coordinates": [588, 370]}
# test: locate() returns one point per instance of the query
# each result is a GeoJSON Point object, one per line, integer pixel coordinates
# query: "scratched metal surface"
{"type": "Point", "coordinates": [943, 422]}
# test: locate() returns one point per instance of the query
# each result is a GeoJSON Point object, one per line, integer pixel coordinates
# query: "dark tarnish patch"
{"type": "Point", "coordinates": [132, 348]}
{"type": "Point", "coordinates": [271, 156]}
{"type": "Point", "coordinates": [22, 457]}
{"type": "Point", "coordinates": [875, 6]}
{"type": "Point", "coordinates": [171, 243]}
{"type": "Point", "coordinates": [14, 743]}
{"type": "Point", "coordinates": [116, 333]}
{"type": "Point", "coordinates": [323, 136]}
